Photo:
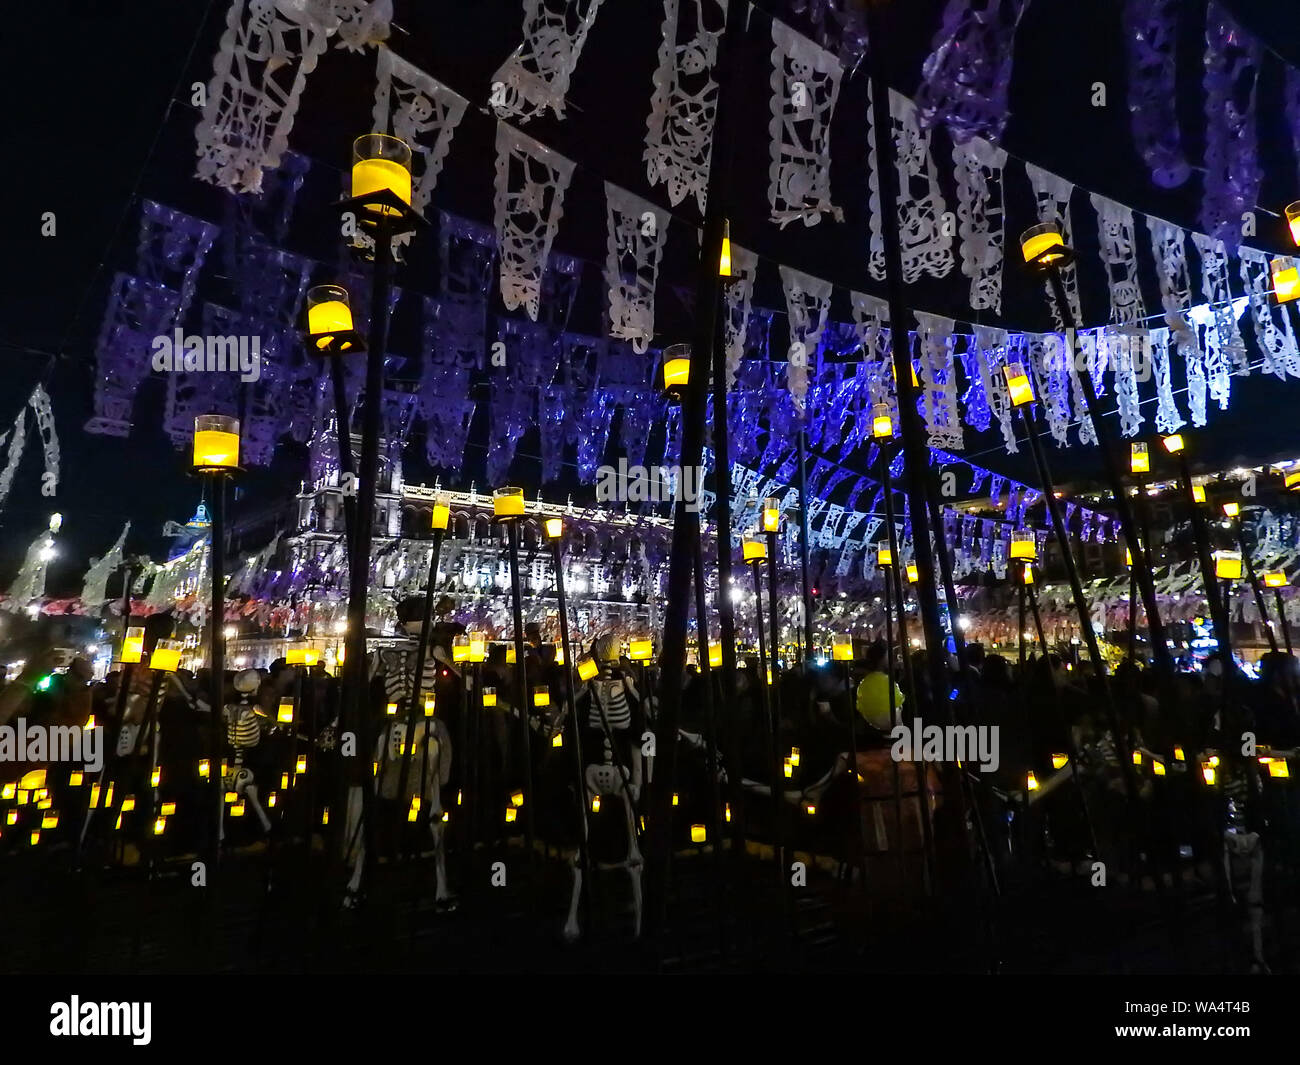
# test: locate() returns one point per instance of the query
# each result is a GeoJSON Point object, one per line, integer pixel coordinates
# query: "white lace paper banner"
{"type": "Point", "coordinates": [738, 296]}
{"type": "Point", "coordinates": [1169, 249]}
{"type": "Point", "coordinates": [1218, 368]}
{"type": "Point", "coordinates": [530, 184]}
{"type": "Point", "coordinates": [1168, 419]}
{"type": "Point", "coordinates": [1087, 434]}
{"type": "Point", "coordinates": [684, 103]}
{"type": "Point", "coordinates": [1047, 360]}
{"type": "Point", "coordinates": [636, 234]}
{"type": "Point", "coordinates": [43, 411]}
{"type": "Point", "coordinates": [421, 111]}
{"type": "Point", "coordinates": [871, 320]}
{"type": "Point", "coordinates": [262, 63]}
{"type": "Point", "coordinates": [1217, 292]}
{"type": "Point", "coordinates": [807, 301]}
{"type": "Point", "coordinates": [938, 378]}
{"type": "Point", "coordinates": [1053, 194]}
{"type": "Point", "coordinates": [1122, 347]}
{"type": "Point", "coordinates": [1119, 254]}
{"type": "Point", "coordinates": [981, 219]}
{"type": "Point", "coordinates": [805, 86]}
{"type": "Point", "coordinates": [17, 438]}
{"type": "Point", "coordinates": [536, 76]}
{"type": "Point", "coordinates": [362, 22]}
{"type": "Point", "coordinates": [1273, 329]}
{"type": "Point", "coordinates": [926, 243]}
{"type": "Point", "coordinates": [94, 588]}
{"type": "Point", "coordinates": [991, 354]}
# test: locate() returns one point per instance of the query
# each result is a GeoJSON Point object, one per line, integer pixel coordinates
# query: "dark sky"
{"type": "Point", "coordinates": [100, 116]}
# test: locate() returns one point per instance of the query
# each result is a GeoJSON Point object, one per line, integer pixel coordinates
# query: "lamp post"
{"type": "Point", "coordinates": [439, 519]}
{"type": "Point", "coordinates": [771, 525]}
{"type": "Point", "coordinates": [216, 457]}
{"type": "Point", "coordinates": [1277, 581]}
{"type": "Point", "coordinates": [508, 510]}
{"type": "Point", "coordinates": [885, 560]}
{"type": "Point", "coordinates": [381, 206]}
{"type": "Point", "coordinates": [842, 651]}
{"type": "Point", "coordinates": [754, 551]}
{"type": "Point", "coordinates": [1232, 511]}
{"type": "Point", "coordinates": [1044, 250]}
{"type": "Point", "coordinates": [330, 333]}
{"type": "Point", "coordinates": [1194, 497]}
{"type": "Point", "coordinates": [555, 536]}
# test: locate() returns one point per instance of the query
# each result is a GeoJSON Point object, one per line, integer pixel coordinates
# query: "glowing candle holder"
{"type": "Point", "coordinates": [554, 528]}
{"type": "Point", "coordinates": [1198, 493]}
{"type": "Point", "coordinates": [460, 649]}
{"type": "Point", "coordinates": [1031, 782]}
{"type": "Point", "coordinates": [913, 574]}
{"type": "Point", "coordinates": [489, 697]}
{"type": "Point", "coordinates": [557, 740]}
{"type": "Point", "coordinates": [1273, 580]}
{"type": "Point", "coordinates": [330, 329]}
{"type": "Point", "coordinates": [1174, 444]}
{"type": "Point", "coordinates": [133, 645]}
{"type": "Point", "coordinates": [1059, 761]}
{"type": "Point", "coordinates": [1231, 510]}
{"type": "Point", "coordinates": [1286, 279]}
{"type": "Point", "coordinates": [771, 514]}
{"type": "Point", "coordinates": [216, 443]}
{"type": "Point", "coordinates": [390, 709]}
{"type": "Point", "coordinates": [595, 804]}
{"type": "Point", "coordinates": [787, 768]}
{"type": "Point", "coordinates": [302, 656]}
{"type": "Point", "coordinates": [285, 713]}
{"type": "Point", "coordinates": [724, 260]}
{"type": "Point", "coordinates": [715, 655]}
{"type": "Point", "coordinates": [1024, 546]}
{"type": "Point", "coordinates": [542, 695]}
{"type": "Point", "coordinates": [1292, 481]}
{"type": "Point", "coordinates": [1158, 767]}
{"type": "Point", "coordinates": [882, 422]}
{"type": "Point", "coordinates": [698, 834]}
{"type": "Point", "coordinates": [587, 669]}
{"type": "Point", "coordinates": [640, 650]}
{"type": "Point", "coordinates": [1227, 565]}
{"type": "Point", "coordinates": [510, 654]}
{"type": "Point", "coordinates": [381, 179]}
{"type": "Point", "coordinates": [842, 649]}
{"type": "Point", "coordinates": [430, 704]}
{"type": "Point", "coordinates": [1279, 768]}
{"type": "Point", "coordinates": [1293, 222]}
{"type": "Point", "coordinates": [517, 799]}
{"type": "Point", "coordinates": [1140, 457]}
{"type": "Point", "coordinates": [1043, 245]}
{"type": "Point", "coordinates": [676, 370]}
{"type": "Point", "coordinates": [794, 756]}
{"type": "Point", "coordinates": [754, 548]}
{"type": "Point", "coordinates": [440, 516]}
{"type": "Point", "coordinates": [508, 503]}
{"type": "Point", "coordinates": [1027, 573]}
{"type": "Point", "coordinates": [884, 556]}
{"type": "Point", "coordinates": [167, 655]}
{"type": "Point", "coordinates": [1019, 387]}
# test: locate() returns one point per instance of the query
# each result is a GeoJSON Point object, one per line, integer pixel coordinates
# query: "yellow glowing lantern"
{"type": "Point", "coordinates": [1137, 757]}
{"type": "Point", "coordinates": [508, 502]}
{"type": "Point", "coordinates": [1174, 444]}
{"type": "Point", "coordinates": [724, 260]}
{"type": "Point", "coordinates": [1027, 573]}
{"type": "Point", "coordinates": [726, 812]}
{"type": "Point", "coordinates": [302, 656]}
{"type": "Point", "coordinates": [1043, 244]}
{"type": "Point", "coordinates": [36, 834]}
{"type": "Point", "coordinates": [489, 698]}
{"type": "Point", "coordinates": [882, 421]}
{"type": "Point", "coordinates": [204, 768]}
{"type": "Point", "coordinates": [842, 649]}
{"type": "Point", "coordinates": [390, 709]}
{"type": "Point", "coordinates": [676, 799]}
{"type": "Point", "coordinates": [159, 826]}
{"type": "Point", "coordinates": [794, 756]}
{"type": "Point", "coordinates": [698, 834]}
{"type": "Point", "coordinates": [128, 804]}
{"type": "Point", "coordinates": [1024, 546]}
{"type": "Point", "coordinates": [1286, 279]}
{"type": "Point", "coordinates": [1231, 510]}
{"type": "Point", "coordinates": [1031, 782]}
{"type": "Point", "coordinates": [329, 318]}
{"type": "Point", "coordinates": [511, 656]}
{"type": "Point", "coordinates": [810, 809]}
{"type": "Point", "coordinates": [511, 814]}
{"type": "Point", "coordinates": [166, 655]}
{"type": "Point", "coordinates": [913, 574]}
{"type": "Point", "coordinates": [1293, 221]}
{"type": "Point", "coordinates": [787, 768]}
{"type": "Point", "coordinates": [557, 740]}
{"type": "Point", "coordinates": [325, 816]}
{"type": "Point", "coordinates": [1198, 493]}
{"type": "Point", "coordinates": [1292, 481]}
{"type": "Point", "coordinates": [50, 821]}
{"type": "Point", "coordinates": [1128, 557]}
{"type": "Point", "coordinates": [477, 647]}
{"type": "Point", "coordinates": [595, 804]}
{"type": "Point", "coordinates": [381, 164]}
{"type": "Point", "coordinates": [285, 714]}
{"type": "Point", "coordinates": [33, 781]}
{"type": "Point", "coordinates": [460, 649]}
{"type": "Point", "coordinates": [1227, 565]}
{"type": "Point", "coordinates": [8, 791]}
{"type": "Point", "coordinates": [1059, 761]}
{"type": "Point", "coordinates": [1140, 457]}
{"type": "Point", "coordinates": [1158, 767]}
{"type": "Point", "coordinates": [1279, 768]}
{"type": "Point", "coordinates": [429, 704]}
{"type": "Point", "coordinates": [300, 766]}
{"type": "Point", "coordinates": [517, 798]}
{"type": "Point", "coordinates": [884, 556]}
{"type": "Point", "coordinates": [133, 645]}
{"type": "Point", "coordinates": [1274, 580]}
{"type": "Point", "coordinates": [677, 368]}
{"type": "Point", "coordinates": [167, 809]}
{"type": "Point", "coordinates": [440, 516]}
{"type": "Point", "coordinates": [216, 443]}
{"type": "Point", "coordinates": [640, 650]}
{"type": "Point", "coordinates": [1178, 754]}
{"type": "Point", "coordinates": [754, 548]}
{"type": "Point", "coordinates": [554, 528]}
{"type": "Point", "coordinates": [24, 797]}
{"type": "Point", "coordinates": [155, 778]}
{"type": "Point", "coordinates": [771, 514]}
{"type": "Point", "coordinates": [1209, 773]}
{"type": "Point", "coordinates": [541, 695]}
{"type": "Point", "coordinates": [414, 812]}
{"type": "Point", "coordinates": [11, 818]}
{"type": "Point", "coordinates": [1019, 388]}
{"type": "Point", "coordinates": [715, 655]}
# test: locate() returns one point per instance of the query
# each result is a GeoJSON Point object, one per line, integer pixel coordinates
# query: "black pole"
{"type": "Point", "coordinates": [343, 437]}
{"type": "Point", "coordinates": [774, 621]}
{"type": "Point", "coordinates": [521, 682]}
{"type": "Point", "coordinates": [774, 753]}
{"type": "Point", "coordinates": [217, 657]}
{"type": "Point", "coordinates": [1201, 532]}
{"type": "Point", "coordinates": [1281, 620]}
{"type": "Point", "coordinates": [421, 652]}
{"type": "Point", "coordinates": [1142, 567]}
{"type": "Point", "coordinates": [355, 711]}
{"type": "Point", "coordinates": [893, 724]}
{"type": "Point", "coordinates": [1020, 634]}
{"type": "Point", "coordinates": [803, 551]}
{"type": "Point", "coordinates": [686, 524]}
{"type": "Point", "coordinates": [1254, 583]}
{"type": "Point", "coordinates": [579, 763]}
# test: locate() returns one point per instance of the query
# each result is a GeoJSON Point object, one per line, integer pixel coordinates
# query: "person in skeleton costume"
{"type": "Point", "coordinates": [609, 715]}
{"type": "Point", "coordinates": [244, 726]}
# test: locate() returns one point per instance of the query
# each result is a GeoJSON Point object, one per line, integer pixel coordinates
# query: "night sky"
{"type": "Point", "coordinates": [100, 113]}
